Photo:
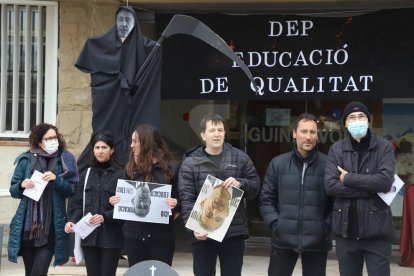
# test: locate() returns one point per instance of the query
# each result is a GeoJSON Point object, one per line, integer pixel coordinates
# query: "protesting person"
{"type": "Point", "coordinates": [294, 205]}
{"type": "Point", "coordinates": [358, 167]}
{"type": "Point", "coordinates": [36, 230]}
{"type": "Point", "coordinates": [150, 160]}
{"type": "Point", "coordinates": [236, 169]}
{"type": "Point", "coordinates": [102, 247]}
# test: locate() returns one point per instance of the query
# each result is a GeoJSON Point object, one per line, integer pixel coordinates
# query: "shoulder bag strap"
{"type": "Point", "coordinates": [84, 187]}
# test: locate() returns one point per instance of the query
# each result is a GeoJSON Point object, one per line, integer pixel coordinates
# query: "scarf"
{"type": "Point", "coordinates": [38, 216]}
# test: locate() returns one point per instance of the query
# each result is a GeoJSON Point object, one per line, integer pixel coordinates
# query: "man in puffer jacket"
{"type": "Point", "coordinates": [294, 205]}
{"type": "Point", "coordinates": [236, 169]}
{"type": "Point", "coordinates": [358, 167]}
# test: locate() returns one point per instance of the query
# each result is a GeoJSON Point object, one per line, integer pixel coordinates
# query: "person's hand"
{"type": "Point", "coordinates": [27, 184]}
{"type": "Point", "coordinates": [172, 202]}
{"type": "Point", "coordinates": [114, 199]}
{"type": "Point", "coordinates": [49, 176]}
{"type": "Point", "coordinates": [342, 173]}
{"type": "Point", "coordinates": [231, 181]}
{"type": "Point", "coordinates": [96, 219]}
{"type": "Point", "coordinates": [200, 236]}
{"type": "Point", "coordinates": [69, 227]}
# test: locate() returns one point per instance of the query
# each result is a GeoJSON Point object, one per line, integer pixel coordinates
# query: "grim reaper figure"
{"type": "Point", "coordinates": [125, 70]}
{"type": "Point", "coordinates": [124, 93]}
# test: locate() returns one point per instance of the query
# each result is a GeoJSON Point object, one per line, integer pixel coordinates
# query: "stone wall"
{"type": "Point", "coordinates": [79, 20]}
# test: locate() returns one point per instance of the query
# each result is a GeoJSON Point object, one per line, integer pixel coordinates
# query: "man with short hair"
{"type": "Point", "coordinates": [294, 205]}
{"type": "Point", "coordinates": [358, 167]}
{"type": "Point", "coordinates": [236, 169]}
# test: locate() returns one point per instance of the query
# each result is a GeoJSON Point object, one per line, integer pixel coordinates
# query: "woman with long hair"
{"type": "Point", "coordinates": [102, 247]}
{"type": "Point", "coordinates": [150, 160]}
{"type": "Point", "coordinates": [36, 230]}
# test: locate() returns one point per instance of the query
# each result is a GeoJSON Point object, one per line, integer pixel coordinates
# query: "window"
{"type": "Point", "coordinates": [28, 70]}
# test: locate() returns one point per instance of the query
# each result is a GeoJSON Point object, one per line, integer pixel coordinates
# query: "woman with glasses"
{"type": "Point", "coordinates": [36, 230]}
{"type": "Point", "coordinates": [102, 247]}
{"type": "Point", "coordinates": [151, 161]}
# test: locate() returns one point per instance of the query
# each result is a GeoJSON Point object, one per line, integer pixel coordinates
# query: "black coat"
{"type": "Point", "coordinates": [234, 163]}
{"type": "Point", "coordinates": [100, 187]}
{"type": "Point", "coordinates": [376, 175]}
{"type": "Point", "coordinates": [294, 204]}
{"type": "Point", "coordinates": [139, 230]}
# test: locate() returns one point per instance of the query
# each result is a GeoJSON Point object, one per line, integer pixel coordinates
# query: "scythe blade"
{"type": "Point", "coordinates": [187, 25]}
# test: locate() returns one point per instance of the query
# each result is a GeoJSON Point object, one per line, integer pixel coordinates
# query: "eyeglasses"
{"type": "Point", "coordinates": [47, 139]}
{"type": "Point", "coordinates": [359, 117]}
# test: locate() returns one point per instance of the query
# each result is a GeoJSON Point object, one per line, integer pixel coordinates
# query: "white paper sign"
{"type": "Point", "coordinates": [77, 250]}
{"type": "Point", "coordinates": [214, 209]}
{"type": "Point", "coordinates": [396, 187]}
{"type": "Point", "coordinates": [142, 201]}
{"type": "Point", "coordinates": [39, 186]}
{"type": "Point", "coordinates": [83, 228]}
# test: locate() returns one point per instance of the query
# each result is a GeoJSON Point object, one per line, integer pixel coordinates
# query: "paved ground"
{"type": "Point", "coordinates": [253, 266]}
{"type": "Point", "coordinates": [255, 262]}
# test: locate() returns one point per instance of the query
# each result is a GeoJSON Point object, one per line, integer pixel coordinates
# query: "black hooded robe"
{"type": "Point", "coordinates": [121, 99]}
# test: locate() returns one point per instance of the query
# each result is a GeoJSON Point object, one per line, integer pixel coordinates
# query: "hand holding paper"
{"type": "Point", "coordinates": [396, 187]}
{"type": "Point", "coordinates": [39, 186]}
{"type": "Point", "coordinates": [83, 228]}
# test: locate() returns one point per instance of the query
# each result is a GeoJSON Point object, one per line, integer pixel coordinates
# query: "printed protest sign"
{"type": "Point", "coordinates": [214, 209]}
{"type": "Point", "coordinates": [142, 201]}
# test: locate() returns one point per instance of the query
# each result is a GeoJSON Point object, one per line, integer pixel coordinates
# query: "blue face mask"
{"type": "Point", "coordinates": [358, 129]}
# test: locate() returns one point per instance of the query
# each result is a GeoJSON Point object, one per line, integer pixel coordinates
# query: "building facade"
{"type": "Point", "coordinates": [52, 90]}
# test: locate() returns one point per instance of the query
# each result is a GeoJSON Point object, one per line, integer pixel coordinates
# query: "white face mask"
{"type": "Point", "coordinates": [358, 129]}
{"type": "Point", "coordinates": [51, 146]}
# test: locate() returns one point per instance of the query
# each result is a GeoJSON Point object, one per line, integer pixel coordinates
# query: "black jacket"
{"type": "Point", "coordinates": [294, 204]}
{"type": "Point", "coordinates": [234, 163]}
{"type": "Point", "coordinates": [376, 175]}
{"type": "Point", "coordinates": [100, 187]}
{"type": "Point", "coordinates": [140, 230]}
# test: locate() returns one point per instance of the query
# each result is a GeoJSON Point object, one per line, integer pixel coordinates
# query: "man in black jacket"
{"type": "Point", "coordinates": [358, 167]}
{"type": "Point", "coordinates": [294, 205]}
{"type": "Point", "coordinates": [236, 169]}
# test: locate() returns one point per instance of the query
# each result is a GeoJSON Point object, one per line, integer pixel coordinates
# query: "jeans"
{"type": "Point", "coordinates": [230, 252]}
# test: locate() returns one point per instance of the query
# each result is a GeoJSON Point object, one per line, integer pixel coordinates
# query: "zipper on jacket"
{"type": "Point", "coordinates": [302, 188]}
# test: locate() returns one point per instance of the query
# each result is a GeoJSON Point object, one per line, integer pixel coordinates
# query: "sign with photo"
{"type": "Point", "coordinates": [142, 201]}
{"type": "Point", "coordinates": [214, 209]}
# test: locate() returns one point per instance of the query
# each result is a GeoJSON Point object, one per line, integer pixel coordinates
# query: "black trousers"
{"type": "Point", "coordinates": [230, 252]}
{"type": "Point", "coordinates": [36, 260]}
{"type": "Point", "coordinates": [282, 262]}
{"type": "Point", "coordinates": [159, 249]}
{"type": "Point", "coordinates": [101, 261]}
{"type": "Point", "coordinates": [352, 253]}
